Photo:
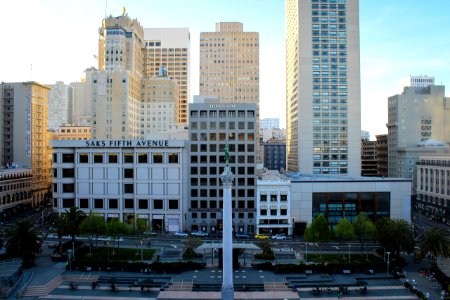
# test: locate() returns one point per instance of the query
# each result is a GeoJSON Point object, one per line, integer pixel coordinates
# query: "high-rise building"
{"type": "Point", "coordinates": [323, 99]}
{"type": "Point", "coordinates": [368, 158]}
{"type": "Point", "coordinates": [159, 107]}
{"type": "Point", "coordinates": [82, 98]}
{"type": "Point", "coordinates": [116, 86]}
{"type": "Point", "coordinates": [60, 101]}
{"type": "Point", "coordinates": [229, 64]}
{"type": "Point", "coordinates": [212, 127]}
{"type": "Point", "coordinates": [416, 115]}
{"type": "Point", "coordinates": [24, 132]}
{"type": "Point", "coordinates": [169, 48]}
{"type": "Point", "coordinates": [275, 155]}
{"type": "Point", "coordinates": [382, 155]}
{"type": "Point", "coordinates": [269, 123]}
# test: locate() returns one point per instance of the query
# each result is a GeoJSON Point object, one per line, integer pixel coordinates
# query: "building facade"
{"type": "Point", "coordinates": [82, 98]}
{"type": "Point", "coordinates": [73, 132]}
{"type": "Point", "coordinates": [323, 109]}
{"type": "Point", "coordinates": [421, 81]}
{"type": "Point", "coordinates": [416, 115]}
{"type": "Point", "coordinates": [24, 132]}
{"type": "Point", "coordinates": [382, 155]}
{"type": "Point", "coordinates": [124, 179]}
{"type": "Point", "coordinates": [275, 155]}
{"type": "Point", "coordinates": [269, 123]}
{"type": "Point", "coordinates": [60, 103]}
{"type": "Point", "coordinates": [433, 188]}
{"type": "Point", "coordinates": [169, 48]}
{"type": "Point", "coordinates": [15, 191]}
{"type": "Point", "coordinates": [368, 158]}
{"type": "Point", "coordinates": [212, 127]}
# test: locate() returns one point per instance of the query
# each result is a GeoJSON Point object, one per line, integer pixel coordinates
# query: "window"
{"type": "Point", "coordinates": [84, 158]}
{"type": "Point", "coordinates": [143, 204]}
{"type": "Point", "coordinates": [128, 173]}
{"type": "Point", "coordinates": [157, 204]}
{"type": "Point", "coordinates": [173, 158]}
{"type": "Point", "coordinates": [98, 203]}
{"type": "Point", "coordinates": [112, 158]}
{"type": "Point", "coordinates": [128, 188]}
{"type": "Point", "coordinates": [173, 204]}
{"type": "Point", "coordinates": [113, 203]}
{"type": "Point", "coordinates": [68, 173]}
{"type": "Point", "coordinates": [128, 158]}
{"type": "Point", "coordinates": [68, 158]}
{"type": "Point", "coordinates": [157, 158]}
{"type": "Point", "coordinates": [142, 158]}
{"type": "Point", "coordinates": [55, 157]}
{"type": "Point", "coordinates": [98, 158]}
{"type": "Point", "coordinates": [84, 203]}
{"type": "Point", "coordinates": [129, 203]}
{"type": "Point", "coordinates": [68, 187]}
{"type": "Point", "coordinates": [67, 203]}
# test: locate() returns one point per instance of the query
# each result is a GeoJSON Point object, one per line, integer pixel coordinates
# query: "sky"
{"type": "Point", "coordinates": [53, 40]}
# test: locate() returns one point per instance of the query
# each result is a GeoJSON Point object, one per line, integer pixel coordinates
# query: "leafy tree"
{"type": "Point", "coordinates": [395, 235]}
{"type": "Point", "coordinates": [318, 231]}
{"type": "Point", "coordinates": [93, 225]}
{"type": "Point", "coordinates": [116, 229]}
{"type": "Point", "coordinates": [435, 241]}
{"type": "Point", "coordinates": [139, 227]}
{"type": "Point", "coordinates": [364, 229]}
{"type": "Point", "coordinates": [74, 216]}
{"type": "Point", "coordinates": [344, 232]}
{"type": "Point", "coordinates": [60, 225]}
{"type": "Point", "coordinates": [23, 241]}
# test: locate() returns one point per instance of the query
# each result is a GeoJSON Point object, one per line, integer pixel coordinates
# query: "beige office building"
{"type": "Point", "coordinates": [24, 132]}
{"type": "Point", "coordinates": [72, 132]}
{"type": "Point", "coordinates": [116, 89]}
{"type": "Point", "coordinates": [159, 107]}
{"type": "Point", "coordinates": [323, 97]}
{"type": "Point", "coordinates": [82, 98]}
{"type": "Point", "coordinates": [169, 48]}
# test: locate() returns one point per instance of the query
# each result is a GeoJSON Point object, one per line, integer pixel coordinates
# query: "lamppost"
{"type": "Point", "coordinates": [387, 263]}
{"type": "Point", "coordinates": [293, 225]}
{"type": "Point", "coordinates": [306, 251]}
{"type": "Point", "coordinates": [142, 253]}
{"type": "Point", "coordinates": [349, 253]}
{"type": "Point", "coordinates": [107, 249]}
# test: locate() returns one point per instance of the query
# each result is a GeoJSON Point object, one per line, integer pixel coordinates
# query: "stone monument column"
{"type": "Point", "coordinates": [227, 238]}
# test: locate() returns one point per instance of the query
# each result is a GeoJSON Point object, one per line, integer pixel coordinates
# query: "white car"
{"type": "Point", "coordinates": [199, 233]}
{"type": "Point", "coordinates": [181, 234]}
{"type": "Point", "coordinates": [279, 236]}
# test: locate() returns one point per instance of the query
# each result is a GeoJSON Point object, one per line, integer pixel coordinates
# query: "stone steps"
{"type": "Point", "coordinates": [43, 290]}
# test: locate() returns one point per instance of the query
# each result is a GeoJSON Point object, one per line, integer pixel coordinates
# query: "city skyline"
{"type": "Point", "coordinates": [389, 52]}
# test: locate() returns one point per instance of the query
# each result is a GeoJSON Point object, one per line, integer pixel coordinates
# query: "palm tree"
{"type": "Point", "coordinates": [436, 242]}
{"type": "Point", "coordinates": [399, 232]}
{"type": "Point", "coordinates": [60, 225]}
{"type": "Point", "coordinates": [74, 216]}
{"type": "Point", "coordinates": [23, 241]}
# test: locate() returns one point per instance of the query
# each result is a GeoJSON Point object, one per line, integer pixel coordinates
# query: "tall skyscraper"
{"type": "Point", "coordinates": [60, 98]}
{"type": "Point", "coordinates": [117, 85]}
{"type": "Point", "coordinates": [82, 98]}
{"type": "Point", "coordinates": [24, 132]}
{"type": "Point", "coordinates": [323, 87]}
{"type": "Point", "coordinates": [169, 48]}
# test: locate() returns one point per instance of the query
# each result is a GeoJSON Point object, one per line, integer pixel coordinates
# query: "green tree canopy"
{"type": "Point", "coordinates": [116, 230]}
{"type": "Point", "coordinates": [435, 241]}
{"type": "Point", "coordinates": [364, 229]}
{"type": "Point", "coordinates": [74, 216]}
{"type": "Point", "coordinates": [93, 225]}
{"type": "Point", "coordinates": [395, 235]}
{"type": "Point", "coordinates": [60, 226]}
{"type": "Point", "coordinates": [318, 231]}
{"type": "Point", "coordinates": [22, 241]}
{"type": "Point", "coordinates": [344, 231]}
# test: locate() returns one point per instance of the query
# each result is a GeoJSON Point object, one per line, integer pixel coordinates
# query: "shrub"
{"type": "Point", "coordinates": [191, 254]}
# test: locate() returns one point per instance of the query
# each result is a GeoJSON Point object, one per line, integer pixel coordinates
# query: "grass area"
{"type": "Point", "coordinates": [122, 254]}
{"type": "Point", "coordinates": [342, 258]}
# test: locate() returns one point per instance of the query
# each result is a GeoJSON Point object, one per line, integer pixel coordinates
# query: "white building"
{"type": "Point", "coordinates": [269, 123]}
{"type": "Point", "coordinates": [60, 98]}
{"type": "Point", "coordinates": [123, 179]}
{"type": "Point", "coordinates": [421, 81]}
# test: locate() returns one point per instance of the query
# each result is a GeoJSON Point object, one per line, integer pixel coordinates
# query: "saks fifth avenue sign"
{"type": "Point", "coordinates": [127, 143]}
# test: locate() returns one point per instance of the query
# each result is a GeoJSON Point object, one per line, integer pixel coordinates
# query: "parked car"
{"type": "Point", "coordinates": [261, 236]}
{"type": "Point", "coordinates": [199, 233]}
{"type": "Point", "coordinates": [242, 235]}
{"type": "Point", "coordinates": [279, 236]}
{"type": "Point", "coordinates": [181, 234]}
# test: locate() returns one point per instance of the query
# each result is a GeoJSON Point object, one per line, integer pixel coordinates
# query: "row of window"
{"type": "Point", "coordinates": [215, 216]}
{"type": "Point", "coordinates": [213, 193]}
{"type": "Point", "coordinates": [113, 158]}
{"type": "Point", "coordinates": [213, 181]}
{"type": "Point", "coordinates": [128, 188]}
{"type": "Point", "coordinates": [222, 125]}
{"type": "Point", "coordinates": [156, 204]}
{"type": "Point", "coordinates": [273, 198]}
{"type": "Point", "coordinates": [211, 204]}
{"type": "Point", "coordinates": [222, 114]}
{"type": "Point", "coordinates": [273, 212]}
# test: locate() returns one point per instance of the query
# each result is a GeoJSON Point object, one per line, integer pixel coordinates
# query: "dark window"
{"type": "Point", "coordinates": [112, 158]}
{"type": "Point", "coordinates": [55, 172]}
{"type": "Point", "coordinates": [157, 158]}
{"type": "Point", "coordinates": [113, 204]}
{"type": "Point", "coordinates": [98, 203]}
{"type": "Point", "coordinates": [173, 158]}
{"type": "Point", "coordinates": [68, 202]}
{"type": "Point", "coordinates": [55, 157]}
{"type": "Point", "coordinates": [143, 204]}
{"type": "Point", "coordinates": [68, 187]}
{"type": "Point", "coordinates": [142, 158]}
{"type": "Point", "coordinates": [55, 188]}
{"type": "Point", "coordinates": [68, 158]}
{"type": "Point", "coordinates": [173, 204]}
{"type": "Point", "coordinates": [98, 158]}
{"type": "Point", "coordinates": [68, 173]}
{"type": "Point", "coordinates": [128, 158]}
{"type": "Point", "coordinates": [84, 203]}
{"type": "Point", "coordinates": [194, 204]}
{"type": "Point", "coordinates": [84, 158]}
{"type": "Point", "coordinates": [157, 204]}
{"type": "Point", "coordinates": [128, 188]}
{"type": "Point", "coordinates": [129, 203]}
{"type": "Point", "coordinates": [128, 173]}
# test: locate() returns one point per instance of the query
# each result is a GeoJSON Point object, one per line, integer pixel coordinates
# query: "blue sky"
{"type": "Point", "coordinates": [398, 38]}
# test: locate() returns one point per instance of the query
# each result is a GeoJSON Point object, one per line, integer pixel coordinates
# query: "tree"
{"type": "Point", "coordinates": [116, 229]}
{"type": "Point", "coordinates": [364, 229]}
{"type": "Point", "coordinates": [435, 241]}
{"type": "Point", "coordinates": [23, 241]}
{"type": "Point", "coordinates": [93, 225]}
{"type": "Point", "coordinates": [74, 216]}
{"type": "Point", "coordinates": [318, 231]}
{"type": "Point", "coordinates": [60, 225]}
{"type": "Point", "coordinates": [395, 235]}
{"type": "Point", "coordinates": [344, 232]}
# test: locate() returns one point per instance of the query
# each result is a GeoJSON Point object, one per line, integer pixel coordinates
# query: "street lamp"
{"type": "Point", "coordinates": [107, 249]}
{"type": "Point", "coordinates": [349, 253]}
{"type": "Point", "coordinates": [387, 263]}
{"type": "Point", "coordinates": [293, 225]}
{"type": "Point", "coordinates": [142, 254]}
